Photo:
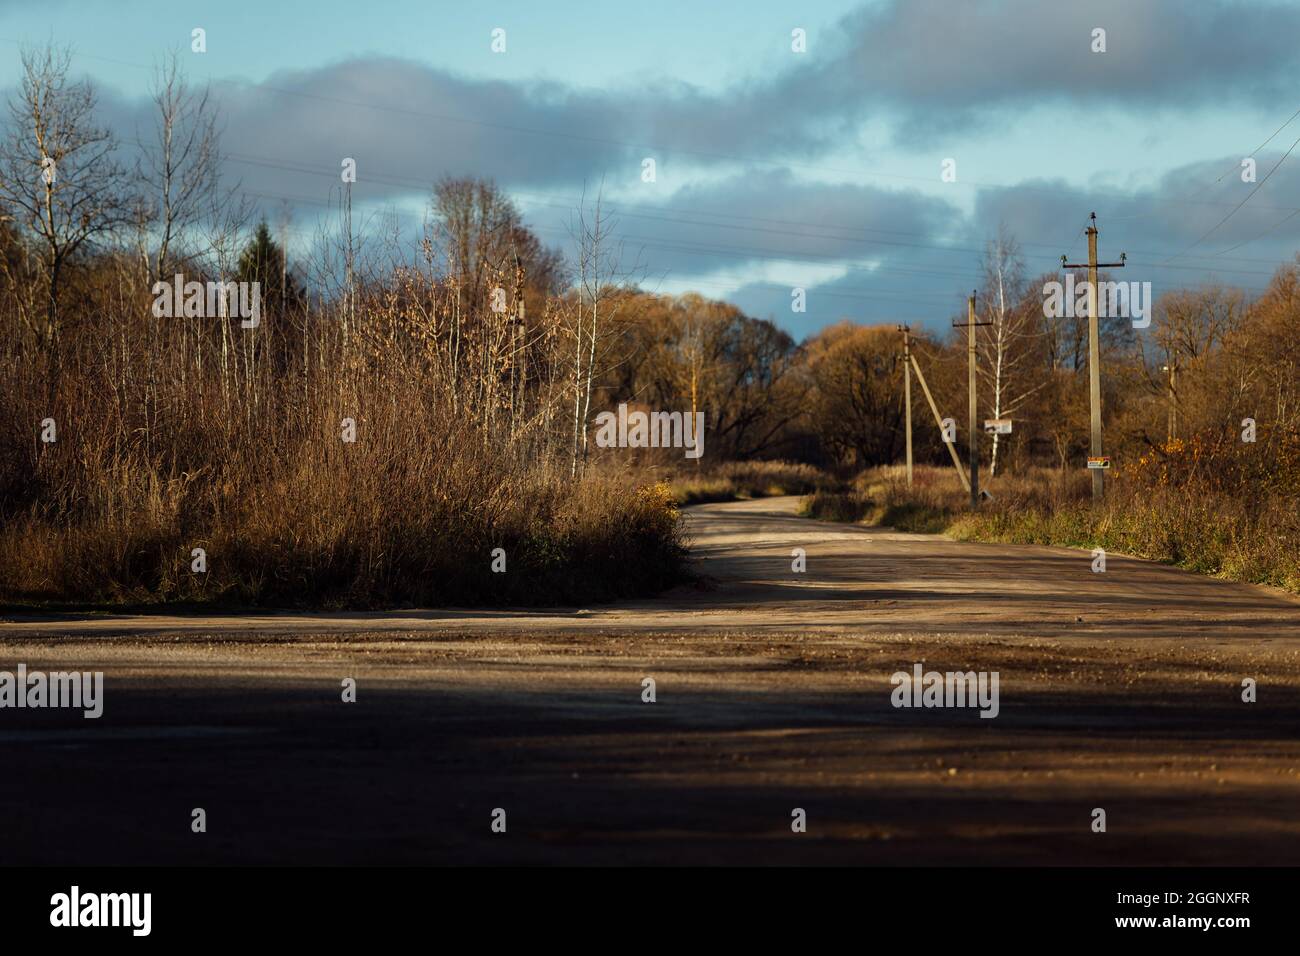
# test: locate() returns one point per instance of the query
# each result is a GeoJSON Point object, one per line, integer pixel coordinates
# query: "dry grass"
{"type": "Point", "coordinates": [174, 434]}
{"type": "Point", "coordinates": [732, 481]}
{"type": "Point", "coordinates": [1242, 536]}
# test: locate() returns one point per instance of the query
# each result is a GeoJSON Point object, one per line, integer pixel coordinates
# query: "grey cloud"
{"type": "Point", "coordinates": [769, 215]}
{"type": "Point", "coordinates": [932, 65]}
{"type": "Point", "coordinates": [929, 66]}
{"type": "Point", "coordinates": [1169, 218]}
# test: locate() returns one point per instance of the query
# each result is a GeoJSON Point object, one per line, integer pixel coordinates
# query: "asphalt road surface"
{"type": "Point", "coordinates": [1120, 691]}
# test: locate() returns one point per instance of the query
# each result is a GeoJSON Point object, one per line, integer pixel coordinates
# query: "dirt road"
{"type": "Point", "coordinates": [1119, 691]}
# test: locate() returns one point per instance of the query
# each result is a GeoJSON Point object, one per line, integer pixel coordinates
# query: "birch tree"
{"type": "Point", "coordinates": [1008, 349]}
{"type": "Point", "coordinates": [59, 177]}
{"type": "Point", "coordinates": [180, 164]}
{"type": "Point", "coordinates": [600, 277]}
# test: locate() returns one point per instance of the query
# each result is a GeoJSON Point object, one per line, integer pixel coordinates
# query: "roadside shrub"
{"type": "Point", "coordinates": [731, 481]}
{"type": "Point", "coordinates": [1241, 524]}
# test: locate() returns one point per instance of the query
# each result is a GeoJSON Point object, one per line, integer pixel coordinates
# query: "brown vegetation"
{"type": "Point", "coordinates": [371, 440]}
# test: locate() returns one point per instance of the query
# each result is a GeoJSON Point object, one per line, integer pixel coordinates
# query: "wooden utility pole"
{"type": "Point", "coordinates": [907, 397]}
{"type": "Point", "coordinates": [973, 418]}
{"type": "Point", "coordinates": [1094, 349]}
{"type": "Point", "coordinates": [939, 422]}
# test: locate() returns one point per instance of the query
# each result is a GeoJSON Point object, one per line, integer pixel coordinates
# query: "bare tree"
{"type": "Point", "coordinates": [58, 174]}
{"type": "Point", "coordinates": [600, 278]}
{"type": "Point", "coordinates": [180, 165]}
{"type": "Point", "coordinates": [1009, 347]}
{"type": "Point", "coordinates": [224, 217]}
{"type": "Point", "coordinates": [480, 229]}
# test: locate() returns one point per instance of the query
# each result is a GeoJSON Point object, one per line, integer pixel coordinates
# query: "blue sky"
{"type": "Point", "coordinates": [774, 169]}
